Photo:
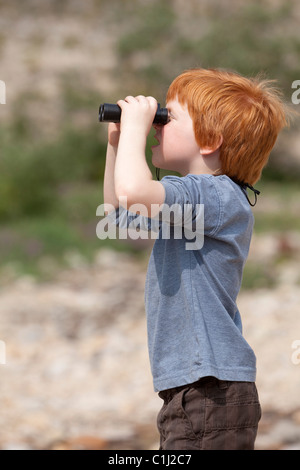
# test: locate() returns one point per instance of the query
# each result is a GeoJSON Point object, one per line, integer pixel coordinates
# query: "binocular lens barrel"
{"type": "Point", "coordinates": [112, 113]}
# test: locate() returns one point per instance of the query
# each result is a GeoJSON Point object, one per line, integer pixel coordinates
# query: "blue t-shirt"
{"type": "Point", "coordinates": [193, 322]}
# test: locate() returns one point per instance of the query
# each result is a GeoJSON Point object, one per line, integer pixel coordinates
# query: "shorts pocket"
{"type": "Point", "coordinates": [192, 406]}
{"type": "Point", "coordinates": [239, 408]}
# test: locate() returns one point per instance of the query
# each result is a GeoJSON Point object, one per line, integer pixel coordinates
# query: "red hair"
{"type": "Point", "coordinates": [247, 113]}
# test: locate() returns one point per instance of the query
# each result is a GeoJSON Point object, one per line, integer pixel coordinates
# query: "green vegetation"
{"type": "Point", "coordinates": [251, 38]}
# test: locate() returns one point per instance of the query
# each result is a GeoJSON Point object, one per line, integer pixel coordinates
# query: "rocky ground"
{"type": "Point", "coordinates": [77, 374]}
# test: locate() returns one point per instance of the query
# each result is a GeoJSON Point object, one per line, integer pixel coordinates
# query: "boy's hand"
{"type": "Point", "coordinates": [133, 179]}
{"type": "Point", "coordinates": [138, 113]}
{"type": "Point", "coordinates": [113, 134]}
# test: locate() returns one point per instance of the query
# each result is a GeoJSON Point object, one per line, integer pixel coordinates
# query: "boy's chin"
{"type": "Point", "coordinates": [159, 162]}
{"type": "Point", "coordinates": [156, 161]}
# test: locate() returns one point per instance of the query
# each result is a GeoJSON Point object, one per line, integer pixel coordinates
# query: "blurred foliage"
{"type": "Point", "coordinates": [250, 39]}
{"type": "Point", "coordinates": [32, 176]}
{"type": "Point", "coordinates": [51, 182]}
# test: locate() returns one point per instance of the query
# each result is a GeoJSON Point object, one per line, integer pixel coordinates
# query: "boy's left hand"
{"type": "Point", "coordinates": [138, 113]}
{"type": "Point", "coordinates": [133, 179]}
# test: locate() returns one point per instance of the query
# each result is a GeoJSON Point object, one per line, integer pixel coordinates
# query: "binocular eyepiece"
{"type": "Point", "coordinates": [112, 113]}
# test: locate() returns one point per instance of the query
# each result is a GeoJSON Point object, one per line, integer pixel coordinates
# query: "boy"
{"type": "Point", "coordinates": [221, 130]}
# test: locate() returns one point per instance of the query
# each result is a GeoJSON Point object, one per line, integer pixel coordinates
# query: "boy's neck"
{"type": "Point", "coordinates": [204, 164]}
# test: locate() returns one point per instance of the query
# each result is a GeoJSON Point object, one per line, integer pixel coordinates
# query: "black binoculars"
{"type": "Point", "coordinates": [112, 113]}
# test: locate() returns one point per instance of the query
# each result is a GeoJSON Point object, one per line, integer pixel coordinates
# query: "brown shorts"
{"type": "Point", "coordinates": [209, 414]}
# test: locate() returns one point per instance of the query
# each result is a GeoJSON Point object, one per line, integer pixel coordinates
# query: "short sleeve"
{"type": "Point", "coordinates": [125, 219]}
{"type": "Point", "coordinates": [191, 196]}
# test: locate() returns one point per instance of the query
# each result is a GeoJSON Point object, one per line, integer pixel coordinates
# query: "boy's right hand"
{"type": "Point", "coordinates": [113, 134]}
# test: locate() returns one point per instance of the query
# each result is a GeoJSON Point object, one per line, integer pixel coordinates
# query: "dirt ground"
{"type": "Point", "coordinates": [77, 372]}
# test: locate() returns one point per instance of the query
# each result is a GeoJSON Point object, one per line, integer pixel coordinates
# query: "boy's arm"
{"type": "Point", "coordinates": [109, 173]}
{"type": "Point", "coordinates": [133, 178]}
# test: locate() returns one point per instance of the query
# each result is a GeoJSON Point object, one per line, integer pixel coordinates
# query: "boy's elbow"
{"type": "Point", "coordinates": [143, 198]}
{"type": "Point", "coordinates": [127, 194]}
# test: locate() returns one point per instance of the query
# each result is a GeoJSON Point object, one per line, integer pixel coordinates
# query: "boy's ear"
{"type": "Point", "coordinates": [209, 150]}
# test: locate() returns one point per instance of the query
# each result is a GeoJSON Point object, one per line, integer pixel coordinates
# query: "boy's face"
{"type": "Point", "coordinates": [177, 146]}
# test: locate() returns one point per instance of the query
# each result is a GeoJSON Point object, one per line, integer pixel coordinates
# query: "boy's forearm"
{"type": "Point", "coordinates": [133, 183]}
{"type": "Point", "coordinates": [132, 174]}
{"type": "Point", "coordinates": [109, 185]}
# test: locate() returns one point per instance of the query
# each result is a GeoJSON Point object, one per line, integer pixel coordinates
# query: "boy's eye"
{"type": "Point", "coordinates": [170, 116]}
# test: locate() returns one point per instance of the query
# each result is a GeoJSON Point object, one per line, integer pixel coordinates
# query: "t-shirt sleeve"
{"type": "Point", "coordinates": [190, 197]}
{"type": "Point", "coordinates": [125, 219]}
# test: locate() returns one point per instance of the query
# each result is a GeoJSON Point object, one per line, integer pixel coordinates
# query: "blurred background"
{"type": "Point", "coordinates": [71, 306]}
